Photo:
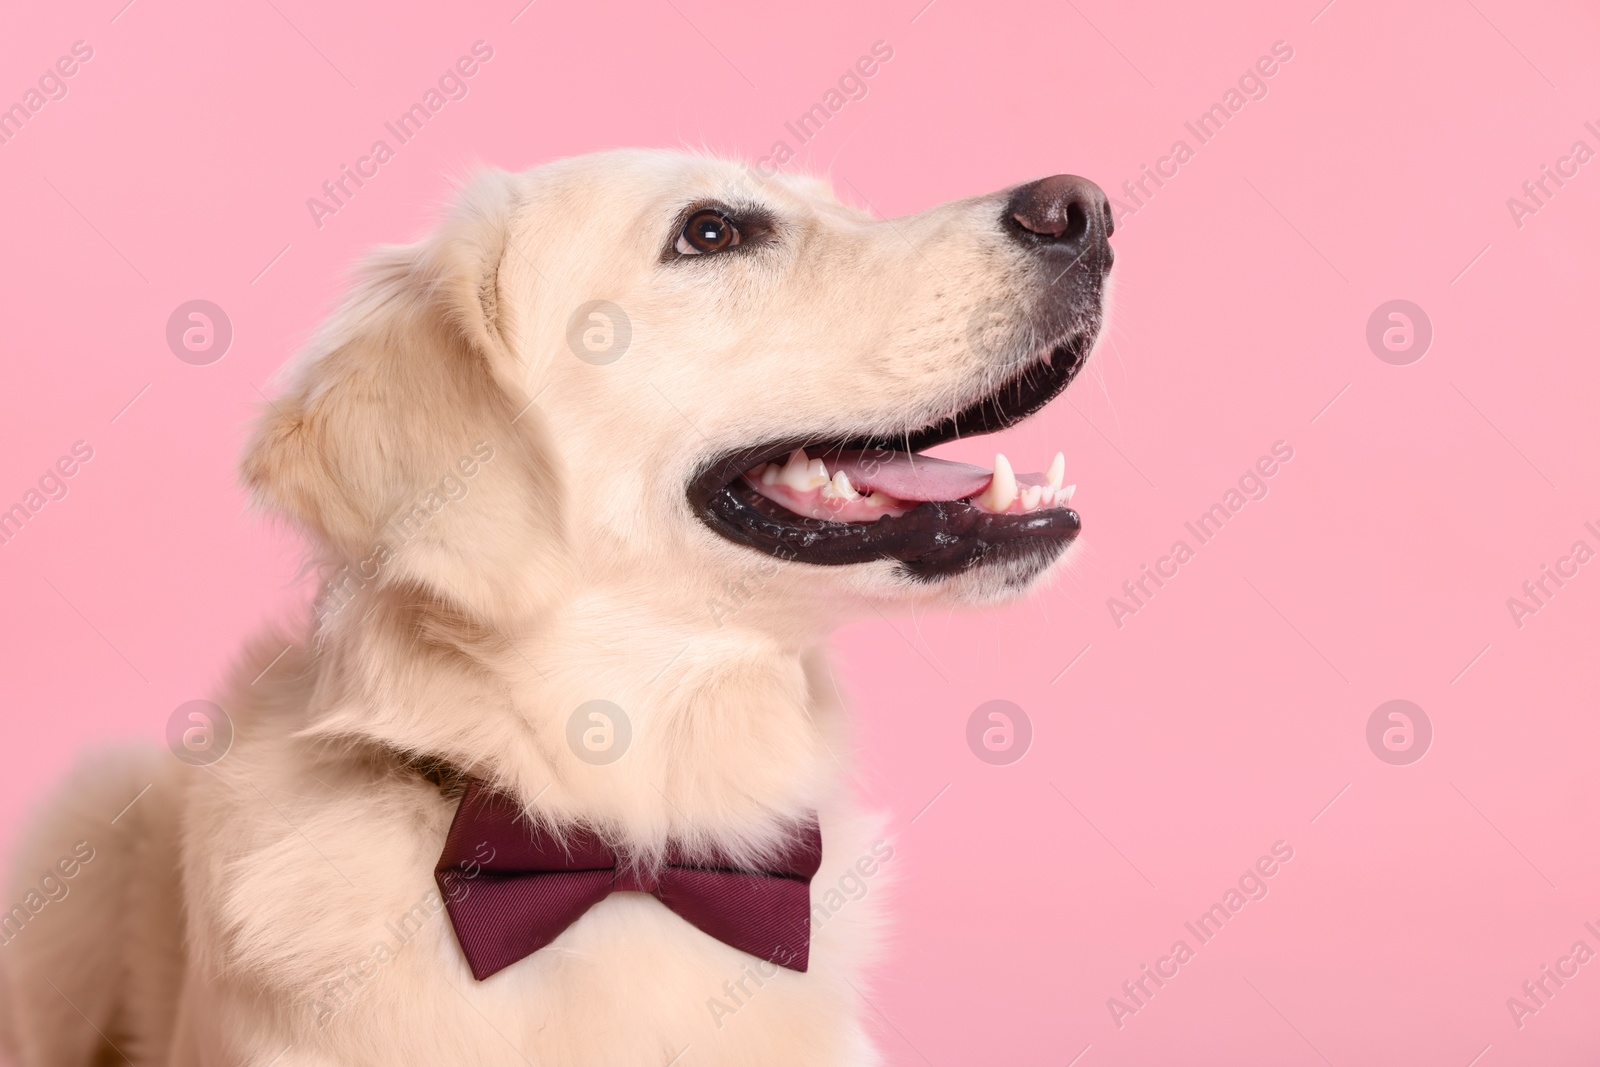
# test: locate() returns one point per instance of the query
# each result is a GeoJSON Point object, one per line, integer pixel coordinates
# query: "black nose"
{"type": "Point", "coordinates": [1062, 214]}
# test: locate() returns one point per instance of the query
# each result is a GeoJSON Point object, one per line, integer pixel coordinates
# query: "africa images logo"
{"type": "Point", "coordinates": [451, 85]}
{"type": "Point", "coordinates": [1252, 885]}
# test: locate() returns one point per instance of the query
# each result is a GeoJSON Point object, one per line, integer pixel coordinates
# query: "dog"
{"type": "Point", "coordinates": [592, 471]}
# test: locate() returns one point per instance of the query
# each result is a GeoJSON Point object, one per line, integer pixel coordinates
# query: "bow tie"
{"type": "Point", "coordinates": [511, 887]}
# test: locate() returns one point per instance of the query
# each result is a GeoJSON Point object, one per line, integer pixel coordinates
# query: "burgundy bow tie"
{"type": "Point", "coordinates": [511, 888]}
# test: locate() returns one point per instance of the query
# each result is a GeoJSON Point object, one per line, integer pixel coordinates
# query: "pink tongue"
{"type": "Point", "coordinates": [907, 476]}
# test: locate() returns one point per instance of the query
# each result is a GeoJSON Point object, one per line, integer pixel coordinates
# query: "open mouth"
{"type": "Point", "coordinates": [867, 498]}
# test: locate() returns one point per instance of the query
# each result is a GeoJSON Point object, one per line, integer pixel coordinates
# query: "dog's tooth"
{"type": "Point", "coordinates": [881, 500]}
{"type": "Point", "coordinates": [796, 473]}
{"type": "Point", "coordinates": [1064, 496]}
{"type": "Point", "coordinates": [1057, 471]}
{"type": "Point", "coordinates": [839, 488]}
{"type": "Point", "coordinates": [1002, 489]}
{"type": "Point", "coordinates": [796, 462]}
{"type": "Point", "coordinates": [770, 473]}
{"type": "Point", "coordinates": [816, 474]}
{"type": "Point", "coordinates": [1030, 497]}
{"type": "Point", "coordinates": [1004, 485]}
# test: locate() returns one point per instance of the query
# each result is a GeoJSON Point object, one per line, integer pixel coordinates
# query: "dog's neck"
{"type": "Point", "coordinates": [708, 728]}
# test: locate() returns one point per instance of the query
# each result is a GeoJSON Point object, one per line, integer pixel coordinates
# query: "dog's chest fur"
{"type": "Point", "coordinates": [309, 886]}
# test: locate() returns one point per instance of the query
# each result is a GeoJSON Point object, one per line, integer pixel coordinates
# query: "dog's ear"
{"type": "Point", "coordinates": [404, 380]}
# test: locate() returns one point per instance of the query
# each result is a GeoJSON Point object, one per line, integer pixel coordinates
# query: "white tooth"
{"type": "Point", "coordinates": [880, 500]}
{"type": "Point", "coordinates": [1030, 497]}
{"type": "Point", "coordinates": [796, 462]}
{"type": "Point", "coordinates": [1002, 487]}
{"type": "Point", "coordinates": [816, 474]}
{"type": "Point", "coordinates": [769, 474]}
{"type": "Point", "coordinates": [1057, 471]}
{"type": "Point", "coordinates": [839, 488]}
{"type": "Point", "coordinates": [796, 473]}
{"type": "Point", "coordinates": [1064, 496]}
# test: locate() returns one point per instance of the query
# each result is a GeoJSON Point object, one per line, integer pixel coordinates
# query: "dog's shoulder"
{"type": "Point", "coordinates": [298, 851]}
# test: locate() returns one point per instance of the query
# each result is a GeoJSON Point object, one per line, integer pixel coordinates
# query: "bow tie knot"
{"type": "Point", "coordinates": [632, 878]}
{"type": "Point", "coordinates": [511, 887]}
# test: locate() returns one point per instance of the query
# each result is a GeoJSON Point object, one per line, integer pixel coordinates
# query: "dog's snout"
{"type": "Point", "coordinates": [1062, 213]}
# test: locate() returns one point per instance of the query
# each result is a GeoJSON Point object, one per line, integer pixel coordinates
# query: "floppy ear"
{"type": "Point", "coordinates": [399, 384]}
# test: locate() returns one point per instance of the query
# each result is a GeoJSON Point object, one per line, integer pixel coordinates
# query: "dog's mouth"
{"type": "Point", "coordinates": [871, 497]}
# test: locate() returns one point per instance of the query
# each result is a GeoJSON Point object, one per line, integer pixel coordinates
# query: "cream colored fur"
{"type": "Point", "coordinates": [569, 569]}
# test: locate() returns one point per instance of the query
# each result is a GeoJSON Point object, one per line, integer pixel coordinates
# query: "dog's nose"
{"type": "Point", "coordinates": [1063, 213]}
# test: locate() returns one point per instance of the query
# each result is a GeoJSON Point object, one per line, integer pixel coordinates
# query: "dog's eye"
{"type": "Point", "coordinates": [707, 231]}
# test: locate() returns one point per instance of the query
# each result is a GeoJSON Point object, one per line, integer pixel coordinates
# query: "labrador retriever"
{"type": "Point", "coordinates": [553, 773]}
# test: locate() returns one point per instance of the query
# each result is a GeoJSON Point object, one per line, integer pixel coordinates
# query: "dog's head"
{"type": "Point", "coordinates": [645, 376]}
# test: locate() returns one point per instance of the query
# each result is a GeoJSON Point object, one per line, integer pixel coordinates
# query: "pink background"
{"type": "Point", "coordinates": [1221, 718]}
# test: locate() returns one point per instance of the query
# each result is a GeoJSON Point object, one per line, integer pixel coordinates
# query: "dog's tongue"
{"type": "Point", "coordinates": [908, 476]}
